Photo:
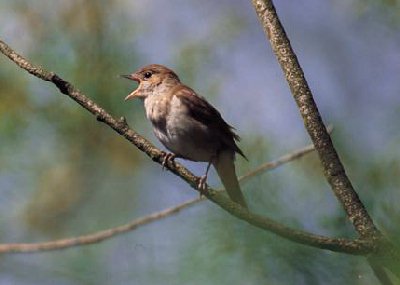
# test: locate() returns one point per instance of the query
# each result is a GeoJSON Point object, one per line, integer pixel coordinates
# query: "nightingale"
{"type": "Point", "coordinates": [188, 126]}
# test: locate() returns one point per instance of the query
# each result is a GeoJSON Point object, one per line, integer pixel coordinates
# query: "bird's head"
{"type": "Point", "coordinates": [152, 79]}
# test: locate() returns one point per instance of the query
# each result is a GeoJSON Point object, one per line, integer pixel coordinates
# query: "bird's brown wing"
{"type": "Point", "coordinates": [205, 113]}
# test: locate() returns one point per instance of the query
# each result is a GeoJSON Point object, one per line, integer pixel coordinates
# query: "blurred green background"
{"type": "Point", "coordinates": [64, 174]}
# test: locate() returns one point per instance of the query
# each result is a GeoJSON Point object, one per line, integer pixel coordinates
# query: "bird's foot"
{"type": "Point", "coordinates": [168, 158]}
{"type": "Point", "coordinates": [202, 186]}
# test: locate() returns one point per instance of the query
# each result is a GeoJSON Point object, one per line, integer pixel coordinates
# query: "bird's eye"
{"type": "Point", "coordinates": [147, 75]}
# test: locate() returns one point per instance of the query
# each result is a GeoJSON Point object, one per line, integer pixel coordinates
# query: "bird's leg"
{"type": "Point", "coordinates": [203, 180]}
{"type": "Point", "coordinates": [168, 157]}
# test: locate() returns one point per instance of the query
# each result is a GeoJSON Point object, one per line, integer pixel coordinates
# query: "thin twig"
{"type": "Point", "coordinates": [91, 238]}
{"type": "Point", "coordinates": [109, 233]}
{"type": "Point", "coordinates": [274, 164]}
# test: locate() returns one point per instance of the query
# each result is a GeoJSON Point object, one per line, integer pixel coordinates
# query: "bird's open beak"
{"type": "Point", "coordinates": [133, 94]}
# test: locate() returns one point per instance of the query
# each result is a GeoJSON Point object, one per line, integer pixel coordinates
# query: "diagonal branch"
{"type": "Point", "coordinates": [120, 126]}
{"type": "Point", "coordinates": [332, 166]}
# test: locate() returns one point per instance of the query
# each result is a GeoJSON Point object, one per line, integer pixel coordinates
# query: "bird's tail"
{"type": "Point", "coordinates": [225, 167]}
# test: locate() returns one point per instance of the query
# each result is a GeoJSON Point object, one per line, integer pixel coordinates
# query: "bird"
{"type": "Point", "coordinates": [188, 125]}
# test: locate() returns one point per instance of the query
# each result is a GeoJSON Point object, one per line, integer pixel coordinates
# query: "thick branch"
{"type": "Point", "coordinates": [120, 126]}
{"type": "Point", "coordinates": [332, 166]}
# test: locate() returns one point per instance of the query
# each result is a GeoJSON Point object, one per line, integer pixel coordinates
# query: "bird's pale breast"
{"type": "Point", "coordinates": [177, 130]}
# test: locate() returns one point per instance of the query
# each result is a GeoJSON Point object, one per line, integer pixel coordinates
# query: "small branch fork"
{"type": "Point", "coordinates": [356, 247]}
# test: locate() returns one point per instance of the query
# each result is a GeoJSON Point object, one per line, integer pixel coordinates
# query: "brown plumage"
{"type": "Point", "coordinates": [187, 125]}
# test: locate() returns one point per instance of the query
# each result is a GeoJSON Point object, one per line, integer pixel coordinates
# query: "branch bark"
{"type": "Point", "coordinates": [332, 166]}
{"type": "Point", "coordinates": [120, 126]}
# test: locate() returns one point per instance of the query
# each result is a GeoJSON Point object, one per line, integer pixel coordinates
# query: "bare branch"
{"type": "Point", "coordinates": [332, 166]}
{"type": "Point", "coordinates": [91, 238]}
{"type": "Point", "coordinates": [356, 247]}
{"type": "Point", "coordinates": [276, 163]}
{"type": "Point", "coordinates": [109, 233]}
{"type": "Point", "coordinates": [120, 126]}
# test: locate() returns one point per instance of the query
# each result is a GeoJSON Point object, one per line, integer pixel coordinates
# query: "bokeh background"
{"type": "Point", "coordinates": [64, 174]}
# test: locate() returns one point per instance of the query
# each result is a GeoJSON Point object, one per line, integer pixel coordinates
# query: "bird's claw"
{"type": "Point", "coordinates": [202, 186]}
{"type": "Point", "coordinates": [168, 157]}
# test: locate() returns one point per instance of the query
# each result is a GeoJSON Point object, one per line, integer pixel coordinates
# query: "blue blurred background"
{"type": "Point", "coordinates": [63, 174]}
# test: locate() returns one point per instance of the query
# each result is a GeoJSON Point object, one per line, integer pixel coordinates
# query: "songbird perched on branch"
{"type": "Point", "coordinates": [188, 126]}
